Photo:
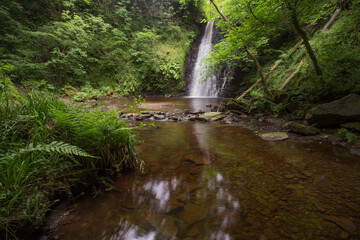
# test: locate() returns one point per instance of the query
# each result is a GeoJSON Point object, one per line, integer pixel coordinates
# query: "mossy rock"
{"type": "Point", "coordinates": [233, 104]}
{"type": "Point", "coordinates": [274, 136]}
{"type": "Point", "coordinates": [211, 116]}
{"type": "Point", "coordinates": [353, 126]}
{"type": "Point", "coordinates": [70, 91]}
{"type": "Point", "coordinates": [301, 129]}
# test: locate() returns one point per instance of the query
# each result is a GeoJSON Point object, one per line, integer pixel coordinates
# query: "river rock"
{"type": "Point", "coordinates": [128, 115]}
{"type": "Point", "coordinates": [274, 136]}
{"type": "Point", "coordinates": [146, 115]}
{"type": "Point", "coordinates": [197, 112]}
{"type": "Point", "coordinates": [159, 117]}
{"type": "Point", "coordinates": [174, 118]}
{"type": "Point", "coordinates": [211, 116]}
{"type": "Point", "coordinates": [139, 118]}
{"type": "Point", "coordinates": [335, 113]}
{"type": "Point", "coordinates": [301, 129]}
{"type": "Point", "coordinates": [343, 222]}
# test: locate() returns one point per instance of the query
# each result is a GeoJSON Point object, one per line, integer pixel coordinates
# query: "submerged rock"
{"type": "Point", "coordinates": [335, 113]}
{"type": "Point", "coordinates": [211, 116]}
{"type": "Point", "coordinates": [274, 136]}
{"type": "Point", "coordinates": [301, 129]}
{"type": "Point", "coordinates": [343, 223]}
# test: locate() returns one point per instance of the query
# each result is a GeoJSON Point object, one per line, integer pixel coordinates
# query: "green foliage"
{"type": "Point", "coordinates": [47, 146]}
{"type": "Point", "coordinates": [267, 29]}
{"type": "Point", "coordinates": [58, 147]}
{"type": "Point", "coordinates": [104, 43]}
{"type": "Point", "coordinates": [345, 135]}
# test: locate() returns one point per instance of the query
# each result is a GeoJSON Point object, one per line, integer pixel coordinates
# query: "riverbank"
{"type": "Point", "coordinates": [170, 109]}
{"type": "Point", "coordinates": [48, 148]}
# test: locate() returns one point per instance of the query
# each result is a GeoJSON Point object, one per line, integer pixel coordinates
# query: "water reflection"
{"type": "Point", "coordinates": [172, 104]}
{"type": "Point", "coordinates": [210, 181]}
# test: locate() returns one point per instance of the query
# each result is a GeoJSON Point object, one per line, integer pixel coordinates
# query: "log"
{"type": "Point", "coordinates": [332, 19]}
{"type": "Point", "coordinates": [326, 27]}
{"type": "Point", "coordinates": [292, 75]}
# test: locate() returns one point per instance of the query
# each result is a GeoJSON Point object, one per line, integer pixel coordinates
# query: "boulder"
{"type": "Point", "coordinates": [335, 113]}
{"type": "Point", "coordinates": [274, 136]}
{"type": "Point", "coordinates": [211, 116]}
{"type": "Point", "coordinates": [301, 129]}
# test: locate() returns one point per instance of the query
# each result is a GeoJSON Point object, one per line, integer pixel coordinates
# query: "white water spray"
{"type": "Point", "coordinates": [203, 85]}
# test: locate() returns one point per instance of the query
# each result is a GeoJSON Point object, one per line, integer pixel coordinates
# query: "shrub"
{"type": "Point", "coordinates": [47, 147]}
{"type": "Point", "coordinates": [346, 135]}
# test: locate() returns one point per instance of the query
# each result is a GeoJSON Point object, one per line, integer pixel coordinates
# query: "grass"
{"type": "Point", "coordinates": [47, 147]}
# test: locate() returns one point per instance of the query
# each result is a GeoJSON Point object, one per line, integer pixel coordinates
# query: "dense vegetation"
{"type": "Point", "coordinates": [261, 41]}
{"type": "Point", "coordinates": [47, 147]}
{"type": "Point", "coordinates": [87, 48]}
{"type": "Point", "coordinates": [101, 47]}
{"type": "Point", "coordinates": [81, 48]}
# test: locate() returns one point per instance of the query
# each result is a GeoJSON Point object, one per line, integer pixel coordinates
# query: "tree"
{"type": "Point", "coordinates": [302, 7]}
{"type": "Point", "coordinates": [246, 34]}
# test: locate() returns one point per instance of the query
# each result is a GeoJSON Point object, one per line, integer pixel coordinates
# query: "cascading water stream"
{"type": "Point", "coordinates": [203, 84]}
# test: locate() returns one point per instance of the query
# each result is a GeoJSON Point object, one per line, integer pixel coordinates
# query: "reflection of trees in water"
{"type": "Point", "coordinates": [192, 201]}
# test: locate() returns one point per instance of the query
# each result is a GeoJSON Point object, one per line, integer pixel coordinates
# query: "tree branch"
{"type": "Point", "coordinates": [218, 10]}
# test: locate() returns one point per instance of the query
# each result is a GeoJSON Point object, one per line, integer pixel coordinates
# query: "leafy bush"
{"type": "Point", "coordinates": [48, 146]}
{"type": "Point", "coordinates": [346, 135]}
{"type": "Point", "coordinates": [82, 42]}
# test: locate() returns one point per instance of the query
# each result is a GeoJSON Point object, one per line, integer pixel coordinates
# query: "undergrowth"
{"type": "Point", "coordinates": [337, 50]}
{"type": "Point", "coordinates": [47, 147]}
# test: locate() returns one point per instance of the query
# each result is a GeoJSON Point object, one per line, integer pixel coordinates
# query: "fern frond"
{"type": "Point", "coordinates": [58, 147]}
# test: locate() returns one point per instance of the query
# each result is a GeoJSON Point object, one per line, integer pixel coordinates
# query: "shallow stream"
{"type": "Point", "coordinates": [221, 181]}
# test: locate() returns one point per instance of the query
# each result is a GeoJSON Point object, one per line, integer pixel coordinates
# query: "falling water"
{"type": "Point", "coordinates": [203, 85]}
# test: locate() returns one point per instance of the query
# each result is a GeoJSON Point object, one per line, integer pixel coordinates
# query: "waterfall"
{"type": "Point", "coordinates": [203, 85]}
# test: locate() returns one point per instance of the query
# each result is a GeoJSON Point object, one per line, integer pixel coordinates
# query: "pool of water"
{"type": "Point", "coordinates": [218, 181]}
{"type": "Point", "coordinates": [165, 104]}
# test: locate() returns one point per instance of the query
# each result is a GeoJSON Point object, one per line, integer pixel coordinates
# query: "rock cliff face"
{"type": "Point", "coordinates": [230, 87]}
{"type": "Point", "coordinates": [191, 60]}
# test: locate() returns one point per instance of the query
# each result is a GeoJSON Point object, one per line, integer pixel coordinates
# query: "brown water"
{"type": "Point", "coordinates": [217, 181]}
{"type": "Point", "coordinates": [165, 104]}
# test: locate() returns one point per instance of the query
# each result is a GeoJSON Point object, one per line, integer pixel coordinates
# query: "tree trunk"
{"type": "Point", "coordinates": [302, 33]}
{"type": "Point", "coordinates": [218, 10]}
{"type": "Point", "coordinates": [258, 65]}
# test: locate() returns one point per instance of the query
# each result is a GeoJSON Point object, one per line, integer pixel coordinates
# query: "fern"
{"type": "Point", "coordinates": [58, 147]}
